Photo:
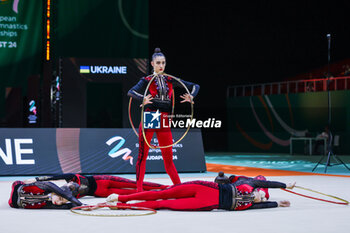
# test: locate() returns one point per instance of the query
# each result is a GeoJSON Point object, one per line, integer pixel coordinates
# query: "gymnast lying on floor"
{"type": "Point", "coordinates": [239, 193]}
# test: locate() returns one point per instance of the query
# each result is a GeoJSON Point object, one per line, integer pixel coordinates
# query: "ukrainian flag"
{"type": "Point", "coordinates": [85, 69]}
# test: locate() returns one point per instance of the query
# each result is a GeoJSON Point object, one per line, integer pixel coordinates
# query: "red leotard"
{"type": "Point", "coordinates": [107, 185]}
{"type": "Point", "coordinates": [203, 195]}
{"type": "Point", "coordinates": [161, 89]}
{"type": "Point", "coordinates": [194, 195]}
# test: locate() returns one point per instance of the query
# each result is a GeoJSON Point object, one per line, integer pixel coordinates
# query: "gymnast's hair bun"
{"type": "Point", "coordinates": [157, 53]}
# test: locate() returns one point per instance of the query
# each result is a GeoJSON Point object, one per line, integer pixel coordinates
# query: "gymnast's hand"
{"type": "Point", "coordinates": [291, 185]}
{"type": "Point", "coordinates": [187, 98]}
{"type": "Point", "coordinates": [284, 203]}
{"type": "Point", "coordinates": [147, 100]}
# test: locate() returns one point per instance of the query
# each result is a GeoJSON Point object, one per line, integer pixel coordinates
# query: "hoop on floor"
{"type": "Point", "coordinates": [344, 202]}
{"type": "Point", "coordinates": [106, 210]}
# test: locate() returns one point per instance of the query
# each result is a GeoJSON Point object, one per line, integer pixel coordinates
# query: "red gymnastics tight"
{"type": "Point", "coordinates": [107, 185]}
{"type": "Point", "coordinates": [195, 195]}
{"type": "Point", "coordinates": [164, 138]}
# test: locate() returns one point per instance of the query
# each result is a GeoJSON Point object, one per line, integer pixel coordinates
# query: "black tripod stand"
{"type": "Point", "coordinates": [330, 135]}
{"type": "Point", "coordinates": [330, 155]}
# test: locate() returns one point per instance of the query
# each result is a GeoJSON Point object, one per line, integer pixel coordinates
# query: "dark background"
{"type": "Point", "coordinates": [213, 43]}
{"type": "Point", "coordinates": [221, 43]}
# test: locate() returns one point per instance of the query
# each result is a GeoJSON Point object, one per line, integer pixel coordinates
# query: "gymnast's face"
{"type": "Point", "coordinates": [257, 196]}
{"type": "Point", "coordinates": [58, 200]}
{"type": "Point", "coordinates": [158, 64]}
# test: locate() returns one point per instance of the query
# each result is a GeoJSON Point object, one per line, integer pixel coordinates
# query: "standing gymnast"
{"type": "Point", "coordinates": [100, 185]}
{"type": "Point", "coordinates": [204, 195]}
{"type": "Point", "coordinates": [158, 98]}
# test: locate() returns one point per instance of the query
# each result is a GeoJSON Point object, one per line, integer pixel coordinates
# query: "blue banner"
{"type": "Point", "coordinates": [90, 151]}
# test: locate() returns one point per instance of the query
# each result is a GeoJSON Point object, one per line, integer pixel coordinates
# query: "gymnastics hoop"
{"type": "Point", "coordinates": [129, 111]}
{"type": "Point", "coordinates": [89, 210]}
{"type": "Point", "coordinates": [143, 107]}
{"type": "Point", "coordinates": [344, 202]}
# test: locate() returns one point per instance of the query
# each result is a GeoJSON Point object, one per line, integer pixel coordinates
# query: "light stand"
{"type": "Point", "coordinates": [330, 135]}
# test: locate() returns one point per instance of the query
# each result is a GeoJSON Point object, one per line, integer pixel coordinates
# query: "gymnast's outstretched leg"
{"type": "Point", "coordinates": [107, 185]}
{"type": "Point", "coordinates": [197, 195]}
